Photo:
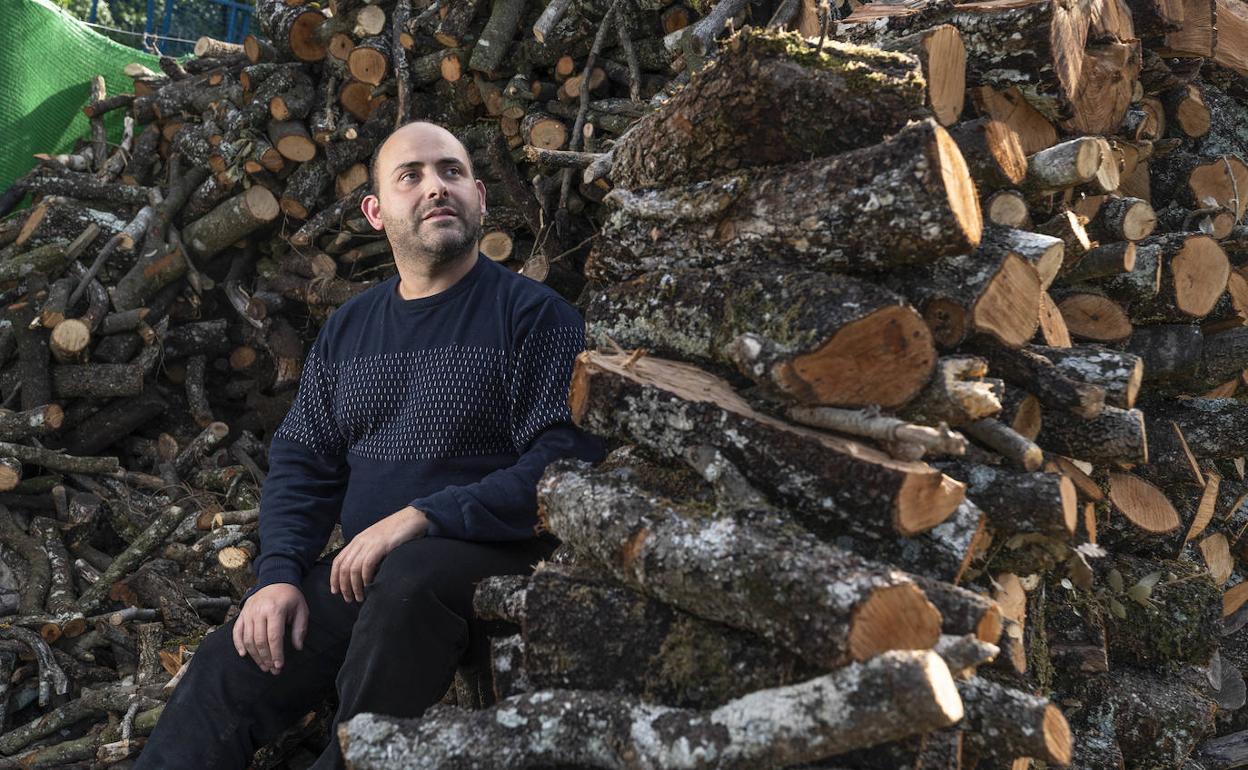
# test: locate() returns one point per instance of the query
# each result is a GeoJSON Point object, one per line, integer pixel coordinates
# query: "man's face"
{"type": "Point", "coordinates": [428, 204]}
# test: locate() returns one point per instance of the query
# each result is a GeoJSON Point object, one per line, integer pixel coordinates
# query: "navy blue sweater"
{"type": "Point", "coordinates": [453, 404]}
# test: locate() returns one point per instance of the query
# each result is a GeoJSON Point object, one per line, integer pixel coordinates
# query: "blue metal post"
{"type": "Point", "coordinates": [151, 18]}
{"type": "Point", "coordinates": [91, 16]}
{"type": "Point", "coordinates": [167, 20]}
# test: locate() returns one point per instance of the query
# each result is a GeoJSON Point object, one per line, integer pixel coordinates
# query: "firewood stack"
{"type": "Point", "coordinates": [871, 308]}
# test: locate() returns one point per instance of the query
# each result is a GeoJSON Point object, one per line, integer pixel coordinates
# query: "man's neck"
{"type": "Point", "coordinates": [419, 278]}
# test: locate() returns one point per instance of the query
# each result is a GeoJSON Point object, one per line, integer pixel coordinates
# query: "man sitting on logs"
{"type": "Point", "coordinates": [428, 408]}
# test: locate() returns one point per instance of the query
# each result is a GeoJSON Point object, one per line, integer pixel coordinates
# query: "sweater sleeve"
{"type": "Point", "coordinates": [303, 492]}
{"type": "Point", "coordinates": [503, 505]}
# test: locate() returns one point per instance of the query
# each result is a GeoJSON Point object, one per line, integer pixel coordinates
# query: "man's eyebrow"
{"type": "Point", "coordinates": [416, 164]}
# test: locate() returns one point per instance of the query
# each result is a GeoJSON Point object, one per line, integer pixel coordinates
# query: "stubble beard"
{"type": "Point", "coordinates": [430, 244]}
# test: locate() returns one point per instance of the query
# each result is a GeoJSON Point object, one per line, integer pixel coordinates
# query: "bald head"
{"type": "Point", "coordinates": [418, 132]}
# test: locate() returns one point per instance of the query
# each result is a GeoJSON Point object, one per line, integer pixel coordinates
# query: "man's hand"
{"type": "Point", "coordinates": [261, 625]}
{"type": "Point", "coordinates": [355, 565]}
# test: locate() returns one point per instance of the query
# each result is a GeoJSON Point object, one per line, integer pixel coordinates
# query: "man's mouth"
{"type": "Point", "coordinates": [442, 212]}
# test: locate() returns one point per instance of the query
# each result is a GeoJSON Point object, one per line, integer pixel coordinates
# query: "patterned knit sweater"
{"type": "Point", "coordinates": [453, 404]}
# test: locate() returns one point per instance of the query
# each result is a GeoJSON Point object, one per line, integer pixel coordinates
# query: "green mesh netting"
{"type": "Point", "coordinates": [45, 77]}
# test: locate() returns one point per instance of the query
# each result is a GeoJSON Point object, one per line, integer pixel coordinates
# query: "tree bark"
{"type": "Point", "coordinates": [778, 118]}
{"type": "Point", "coordinates": [688, 408]}
{"type": "Point", "coordinates": [875, 608]}
{"type": "Point", "coordinates": [812, 337]}
{"type": "Point", "coordinates": [890, 697]}
{"type": "Point", "coordinates": [908, 200]}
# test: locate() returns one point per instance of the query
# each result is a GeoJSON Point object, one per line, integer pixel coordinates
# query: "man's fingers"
{"type": "Point", "coordinates": [299, 629]}
{"type": "Point", "coordinates": [368, 570]}
{"type": "Point", "coordinates": [240, 626]}
{"type": "Point", "coordinates": [260, 640]}
{"type": "Point", "coordinates": [277, 629]}
{"type": "Point", "coordinates": [357, 581]}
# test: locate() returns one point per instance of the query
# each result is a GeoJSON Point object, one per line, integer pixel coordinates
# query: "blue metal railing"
{"type": "Point", "coordinates": [237, 19]}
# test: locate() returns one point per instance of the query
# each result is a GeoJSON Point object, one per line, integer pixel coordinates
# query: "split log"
{"type": "Point", "coordinates": [690, 408]}
{"type": "Point", "coordinates": [957, 394]}
{"type": "Point", "coordinates": [863, 218]}
{"type": "Point", "coordinates": [837, 341]}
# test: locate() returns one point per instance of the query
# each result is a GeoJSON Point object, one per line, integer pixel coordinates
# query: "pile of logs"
{"type": "Point", "coordinates": [917, 330]}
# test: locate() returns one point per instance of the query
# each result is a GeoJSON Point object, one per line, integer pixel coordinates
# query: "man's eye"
{"type": "Point", "coordinates": [453, 170]}
{"type": "Point", "coordinates": [404, 177]}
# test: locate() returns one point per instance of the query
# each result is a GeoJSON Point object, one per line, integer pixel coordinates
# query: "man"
{"type": "Point", "coordinates": [428, 408]}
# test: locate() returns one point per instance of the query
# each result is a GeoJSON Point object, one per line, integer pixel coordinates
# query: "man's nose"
{"type": "Point", "coordinates": [439, 189]}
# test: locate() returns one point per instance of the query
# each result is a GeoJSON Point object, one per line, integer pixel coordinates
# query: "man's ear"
{"type": "Point", "coordinates": [481, 194]}
{"type": "Point", "coordinates": [371, 206]}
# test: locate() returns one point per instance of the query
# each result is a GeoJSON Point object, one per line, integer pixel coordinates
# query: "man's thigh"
{"type": "Point", "coordinates": [450, 569]}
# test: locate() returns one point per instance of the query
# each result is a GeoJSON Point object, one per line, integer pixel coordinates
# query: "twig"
{"type": "Point", "coordinates": [51, 678]}
{"type": "Point", "coordinates": [565, 183]}
{"type": "Point", "coordinates": [634, 66]}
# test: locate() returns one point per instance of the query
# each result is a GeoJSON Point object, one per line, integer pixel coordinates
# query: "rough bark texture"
{"type": "Point", "coordinates": [894, 695]}
{"type": "Point", "coordinates": [908, 200]}
{"type": "Point", "coordinates": [813, 337]}
{"type": "Point", "coordinates": [781, 121]}
{"type": "Point", "coordinates": [669, 408]}
{"type": "Point", "coordinates": [873, 609]}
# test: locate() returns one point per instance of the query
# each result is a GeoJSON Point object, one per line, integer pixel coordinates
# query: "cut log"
{"type": "Point", "coordinates": [1094, 317]}
{"type": "Point", "coordinates": [569, 616]}
{"type": "Point", "coordinates": [1179, 359]}
{"type": "Point", "coordinates": [1123, 218]}
{"type": "Point", "coordinates": [1044, 252]}
{"type": "Point", "coordinates": [780, 121]}
{"type": "Point", "coordinates": [1118, 372]}
{"type": "Point", "coordinates": [1060, 389]}
{"type": "Point", "coordinates": [691, 408]}
{"type": "Point", "coordinates": [838, 340]}
{"type": "Point", "coordinates": [606, 514]}
{"type": "Point", "coordinates": [1004, 724]}
{"type": "Point", "coordinates": [1014, 502]}
{"type": "Point", "coordinates": [992, 291]}
{"type": "Point", "coordinates": [1115, 436]}
{"type": "Point", "coordinates": [1213, 427]}
{"type": "Point", "coordinates": [1177, 277]}
{"type": "Point", "coordinates": [236, 218]}
{"type": "Point", "coordinates": [942, 56]}
{"type": "Point", "coordinates": [857, 211]}
{"type": "Point", "coordinates": [890, 697]}
{"type": "Point", "coordinates": [1142, 503]}
{"type": "Point", "coordinates": [291, 30]}
{"type": "Point", "coordinates": [1063, 166]}
{"type": "Point", "coordinates": [1018, 449]}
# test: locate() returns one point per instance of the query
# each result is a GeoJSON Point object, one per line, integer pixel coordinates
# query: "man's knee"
{"type": "Point", "coordinates": [409, 575]}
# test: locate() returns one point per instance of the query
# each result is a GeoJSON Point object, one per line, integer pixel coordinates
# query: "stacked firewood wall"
{"type": "Point", "coordinates": [916, 333]}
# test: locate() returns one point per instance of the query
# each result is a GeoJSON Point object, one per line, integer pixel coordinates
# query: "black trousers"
{"type": "Point", "coordinates": [395, 653]}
